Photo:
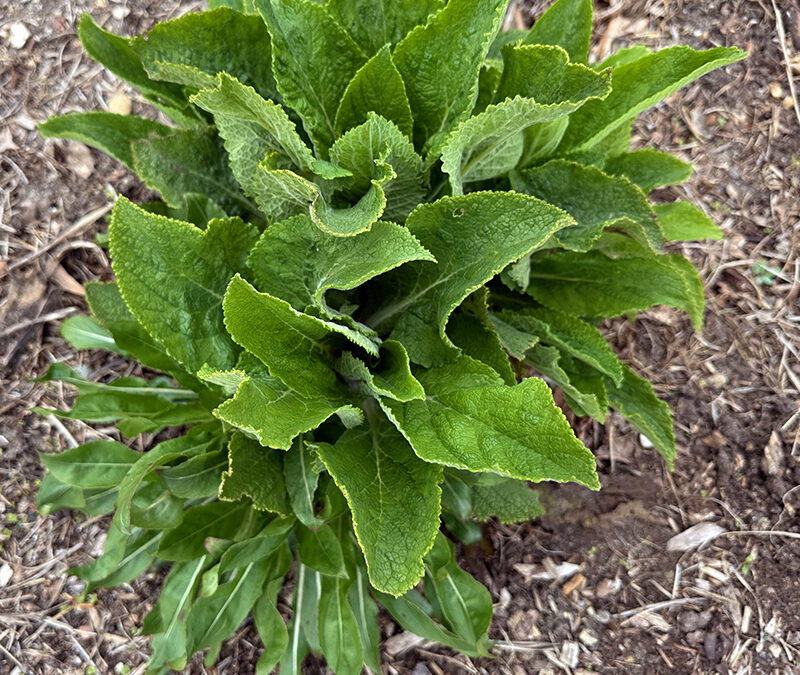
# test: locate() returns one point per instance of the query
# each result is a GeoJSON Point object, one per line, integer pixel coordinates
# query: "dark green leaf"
{"type": "Point", "coordinates": [255, 472]}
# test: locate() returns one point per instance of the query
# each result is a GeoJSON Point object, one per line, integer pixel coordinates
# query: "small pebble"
{"type": "Point", "coordinates": [18, 35]}
{"type": "Point", "coordinates": [775, 90]}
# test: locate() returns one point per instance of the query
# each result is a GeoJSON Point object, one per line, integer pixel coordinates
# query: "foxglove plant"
{"type": "Point", "coordinates": [377, 221]}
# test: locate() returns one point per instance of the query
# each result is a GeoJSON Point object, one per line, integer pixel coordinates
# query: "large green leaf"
{"type": "Point", "coordinates": [377, 87]}
{"type": "Point", "coordinates": [314, 59]}
{"type": "Point", "coordinates": [568, 24]}
{"type": "Point", "coordinates": [471, 420]}
{"type": "Point", "coordinates": [683, 221]}
{"type": "Point", "coordinates": [593, 285]}
{"type": "Point", "coordinates": [394, 497]}
{"type": "Point", "coordinates": [636, 400]}
{"type": "Point", "coordinates": [339, 639]}
{"type": "Point", "coordinates": [198, 477]}
{"type": "Point", "coordinates": [252, 127]}
{"type": "Point", "coordinates": [639, 85]}
{"type": "Point", "coordinates": [105, 131]}
{"type": "Point", "coordinates": [596, 201]}
{"type": "Point", "coordinates": [173, 276]}
{"type": "Point", "coordinates": [264, 406]}
{"type": "Point", "coordinates": [193, 48]}
{"type": "Point", "coordinates": [649, 168]}
{"type": "Point", "coordinates": [473, 237]}
{"type": "Point", "coordinates": [510, 501]}
{"type": "Point", "coordinates": [374, 24]}
{"type": "Point", "coordinates": [297, 262]}
{"type": "Point", "coordinates": [191, 160]}
{"type": "Point", "coordinates": [291, 344]}
{"type": "Point", "coordinates": [272, 631]}
{"type": "Point", "coordinates": [365, 151]}
{"type": "Point", "coordinates": [366, 613]}
{"type": "Point", "coordinates": [440, 63]}
{"type": "Point", "coordinates": [255, 472]}
{"type": "Point", "coordinates": [187, 541]}
{"type": "Point", "coordinates": [91, 465]}
{"type": "Point", "coordinates": [320, 549]}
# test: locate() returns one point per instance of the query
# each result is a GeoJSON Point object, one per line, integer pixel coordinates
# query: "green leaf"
{"type": "Point", "coordinates": [252, 127]}
{"type": "Point", "coordinates": [366, 150]}
{"type": "Point", "coordinates": [54, 495]}
{"type": "Point", "coordinates": [570, 334]}
{"type": "Point", "coordinates": [302, 477]}
{"type": "Point", "coordinates": [191, 160]}
{"type": "Point", "coordinates": [471, 420]}
{"type": "Point", "coordinates": [255, 472]}
{"type": "Point", "coordinates": [394, 498]}
{"type": "Point", "coordinates": [292, 660]}
{"type": "Point", "coordinates": [98, 464]}
{"type": "Point", "coordinates": [440, 63]}
{"type": "Point", "coordinates": [637, 402]}
{"type": "Point", "coordinates": [568, 24]}
{"type": "Point", "coordinates": [391, 377]}
{"type": "Point", "coordinates": [83, 332]}
{"type": "Point", "coordinates": [116, 54]}
{"type": "Point", "coordinates": [683, 221]}
{"type": "Point", "coordinates": [596, 201]}
{"type": "Point", "coordinates": [375, 24]}
{"type": "Point", "coordinates": [338, 631]}
{"type": "Point", "coordinates": [173, 276]}
{"type": "Point", "coordinates": [244, 6]}
{"type": "Point", "coordinates": [488, 81]}
{"type": "Point", "coordinates": [515, 341]}
{"type": "Point", "coordinates": [639, 85]}
{"type": "Point", "coordinates": [105, 131]}
{"type": "Point", "coordinates": [314, 59]}
{"type": "Point", "coordinates": [264, 406]}
{"type": "Point", "coordinates": [273, 632]}
{"type": "Point", "coordinates": [281, 194]}
{"type": "Point", "coordinates": [319, 549]}
{"type": "Point", "coordinates": [623, 56]}
{"type": "Point", "coordinates": [593, 285]}
{"type": "Point", "coordinates": [291, 344]}
{"type": "Point", "coordinates": [197, 477]}
{"type": "Point", "coordinates": [297, 262]}
{"type": "Point", "coordinates": [187, 541]}
{"type": "Point", "coordinates": [376, 87]}
{"type": "Point", "coordinates": [366, 614]}
{"type": "Point", "coordinates": [473, 237]}
{"type": "Point", "coordinates": [649, 168]}
{"type": "Point", "coordinates": [193, 48]}
{"type": "Point", "coordinates": [154, 508]}
{"type": "Point", "coordinates": [262, 546]}
{"type": "Point", "coordinates": [213, 619]}
{"type": "Point", "coordinates": [510, 501]}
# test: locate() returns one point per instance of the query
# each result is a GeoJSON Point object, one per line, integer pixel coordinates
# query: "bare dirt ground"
{"type": "Point", "coordinates": [591, 587]}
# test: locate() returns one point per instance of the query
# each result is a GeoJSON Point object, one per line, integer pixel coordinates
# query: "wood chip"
{"type": "Point", "coordinates": [695, 537]}
{"type": "Point", "coordinates": [575, 583]}
{"type": "Point", "coordinates": [774, 460]}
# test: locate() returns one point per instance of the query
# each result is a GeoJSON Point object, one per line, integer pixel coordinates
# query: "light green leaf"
{"type": "Point", "coordinates": [683, 221]}
{"type": "Point", "coordinates": [473, 237]}
{"type": "Point", "coordinates": [366, 614]}
{"type": "Point", "coordinates": [303, 604]}
{"type": "Point", "coordinates": [471, 420]}
{"type": "Point", "coordinates": [173, 276]}
{"type": "Point", "coordinates": [649, 168]}
{"type": "Point", "coordinates": [186, 542]}
{"type": "Point", "coordinates": [593, 285]}
{"type": "Point", "coordinates": [568, 24]}
{"type": "Point", "coordinates": [297, 262]}
{"type": "Point", "coordinates": [391, 377]}
{"type": "Point", "coordinates": [440, 63]}
{"type": "Point", "coordinates": [244, 6]}
{"type": "Point", "coordinates": [302, 476]}
{"type": "Point", "coordinates": [105, 131]}
{"type": "Point", "coordinates": [193, 48]}
{"type": "Point", "coordinates": [291, 344]}
{"type": "Point", "coordinates": [83, 332]}
{"type": "Point", "coordinates": [214, 618]}
{"type": "Point", "coordinates": [637, 402]}
{"type": "Point", "coordinates": [570, 334]}
{"type": "Point", "coordinates": [91, 465]}
{"type": "Point", "coordinates": [375, 24]}
{"type": "Point", "coordinates": [511, 501]}
{"type": "Point", "coordinates": [394, 498]}
{"type": "Point", "coordinates": [623, 56]}
{"type": "Point", "coordinates": [339, 640]}
{"type": "Point", "coordinates": [377, 87]}
{"type": "Point", "coordinates": [319, 549]}
{"type": "Point", "coordinates": [314, 59]}
{"type": "Point", "coordinates": [639, 85]}
{"type": "Point", "coordinates": [366, 150]}
{"type": "Point", "coordinates": [596, 201]}
{"type": "Point", "coordinates": [255, 472]}
{"type": "Point", "coordinates": [265, 407]}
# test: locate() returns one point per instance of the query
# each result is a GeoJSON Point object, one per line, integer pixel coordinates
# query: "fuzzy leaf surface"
{"type": "Point", "coordinates": [255, 472]}
{"type": "Point", "coordinates": [567, 24]}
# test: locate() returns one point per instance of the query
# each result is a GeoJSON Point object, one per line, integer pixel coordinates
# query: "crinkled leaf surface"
{"type": "Point", "coordinates": [568, 24]}
{"type": "Point", "coordinates": [173, 276]}
{"type": "Point", "coordinates": [391, 376]}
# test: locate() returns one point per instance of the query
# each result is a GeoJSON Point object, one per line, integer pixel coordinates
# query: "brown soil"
{"type": "Point", "coordinates": [632, 607]}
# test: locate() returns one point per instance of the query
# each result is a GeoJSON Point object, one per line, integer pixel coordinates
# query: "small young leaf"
{"type": "Point", "coordinates": [391, 377]}
{"type": "Point", "coordinates": [302, 476]}
{"type": "Point", "coordinates": [255, 472]}
{"type": "Point", "coordinates": [567, 24]}
{"type": "Point", "coordinates": [471, 420]}
{"type": "Point", "coordinates": [394, 498]}
{"type": "Point", "coordinates": [649, 168]}
{"type": "Point", "coordinates": [83, 332]}
{"type": "Point", "coordinates": [682, 221]}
